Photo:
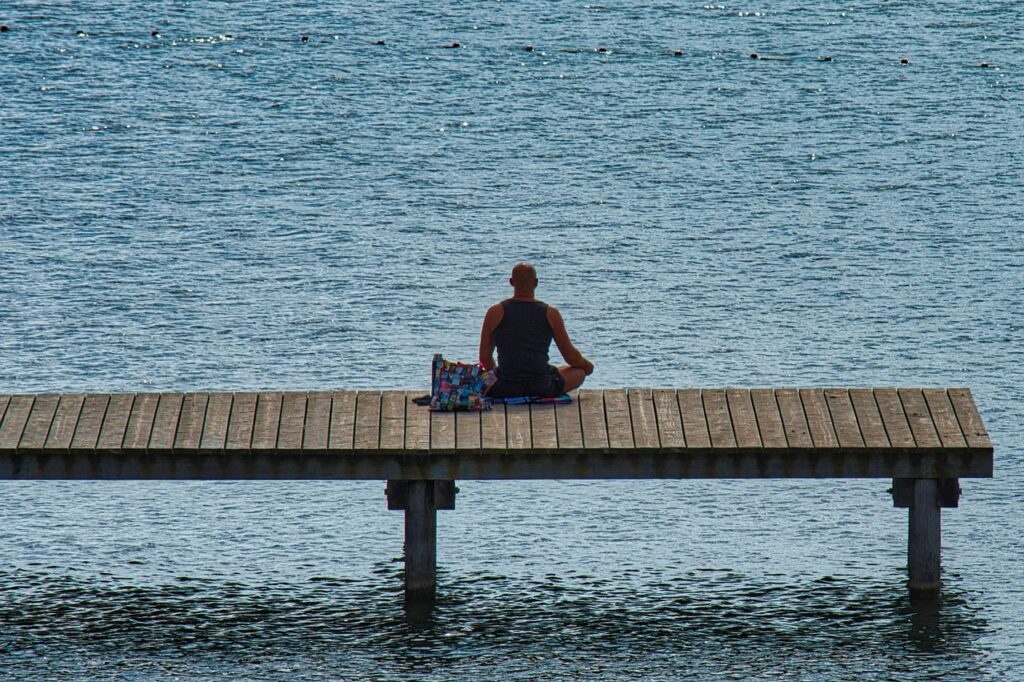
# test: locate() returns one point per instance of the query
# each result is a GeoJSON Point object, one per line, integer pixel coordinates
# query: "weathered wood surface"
{"type": "Point", "coordinates": [613, 433]}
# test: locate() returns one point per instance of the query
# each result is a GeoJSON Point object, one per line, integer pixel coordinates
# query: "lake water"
{"type": "Point", "coordinates": [226, 206]}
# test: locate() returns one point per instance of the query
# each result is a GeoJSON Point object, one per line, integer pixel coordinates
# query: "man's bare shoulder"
{"type": "Point", "coordinates": [494, 314]}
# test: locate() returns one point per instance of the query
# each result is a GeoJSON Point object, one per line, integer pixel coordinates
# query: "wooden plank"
{"type": "Point", "coordinates": [543, 428]}
{"type": "Point", "coordinates": [293, 421]}
{"type": "Point", "coordinates": [243, 413]}
{"type": "Point", "coordinates": [64, 422]}
{"type": "Point", "coordinates": [769, 419]}
{"type": "Point", "coordinates": [944, 418]}
{"type": "Point", "coordinates": [595, 429]}
{"type": "Point", "coordinates": [417, 424]}
{"type": "Point", "coordinates": [844, 419]}
{"type": "Point", "coordinates": [568, 426]}
{"type": "Point", "coordinates": [467, 430]}
{"type": "Point", "coordinates": [268, 420]}
{"type": "Point", "coordinates": [868, 418]}
{"type": "Point", "coordinates": [492, 429]}
{"type": "Point", "coordinates": [392, 420]}
{"type": "Point", "coordinates": [115, 422]}
{"type": "Point", "coordinates": [368, 420]}
{"type": "Point", "coordinates": [644, 417]}
{"type": "Point", "coordinates": [190, 423]}
{"type": "Point", "coordinates": [798, 435]}
{"type": "Point", "coordinates": [670, 424]}
{"type": "Point", "coordinates": [140, 423]}
{"type": "Point", "coordinates": [165, 424]}
{"type": "Point", "coordinates": [317, 430]}
{"type": "Point", "coordinates": [716, 408]}
{"type": "Point", "coordinates": [896, 427]}
{"type": "Point", "coordinates": [970, 421]}
{"type": "Point", "coordinates": [695, 422]}
{"type": "Point", "coordinates": [919, 418]}
{"type": "Point", "coordinates": [517, 425]}
{"type": "Point", "coordinates": [442, 430]}
{"type": "Point", "coordinates": [87, 430]}
{"type": "Point", "coordinates": [616, 412]}
{"type": "Point", "coordinates": [744, 419]}
{"type": "Point", "coordinates": [18, 411]}
{"type": "Point", "coordinates": [835, 417]}
{"type": "Point", "coordinates": [343, 420]}
{"type": "Point", "coordinates": [37, 428]}
{"type": "Point", "coordinates": [819, 421]}
{"type": "Point", "coordinates": [215, 426]}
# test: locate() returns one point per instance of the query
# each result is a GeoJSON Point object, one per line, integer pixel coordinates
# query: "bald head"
{"type": "Point", "coordinates": [523, 279]}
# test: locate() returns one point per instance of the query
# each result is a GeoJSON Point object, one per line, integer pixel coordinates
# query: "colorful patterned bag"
{"type": "Point", "coordinates": [459, 386]}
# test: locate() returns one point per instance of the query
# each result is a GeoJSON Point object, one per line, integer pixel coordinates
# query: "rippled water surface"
{"type": "Point", "coordinates": [224, 205]}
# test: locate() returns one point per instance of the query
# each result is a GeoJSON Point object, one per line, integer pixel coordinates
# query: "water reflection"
{"type": "Point", "coordinates": [699, 626]}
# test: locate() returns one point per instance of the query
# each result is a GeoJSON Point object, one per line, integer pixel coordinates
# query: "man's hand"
{"type": "Point", "coordinates": [565, 347]}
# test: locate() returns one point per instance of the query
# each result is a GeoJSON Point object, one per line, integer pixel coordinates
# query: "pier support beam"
{"type": "Point", "coordinates": [924, 541]}
{"type": "Point", "coordinates": [420, 543]}
{"type": "Point", "coordinates": [421, 500]}
{"type": "Point", "coordinates": [925, 498]}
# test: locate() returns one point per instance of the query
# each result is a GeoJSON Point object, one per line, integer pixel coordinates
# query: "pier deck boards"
{"type": "Point", "coordinates": [611, 433]}
{"type": "Point", "coordinates": [924, 439]}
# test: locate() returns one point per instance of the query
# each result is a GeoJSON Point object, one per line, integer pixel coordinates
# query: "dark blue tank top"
{"type": "Point", "coordinates": [523, 338]}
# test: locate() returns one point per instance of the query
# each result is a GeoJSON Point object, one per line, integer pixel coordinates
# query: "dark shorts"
{"type": "Point", "coordinates": [546, 386]}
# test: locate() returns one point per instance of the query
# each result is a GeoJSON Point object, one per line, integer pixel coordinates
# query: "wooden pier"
{"type": "Point", "coordinates": [923, 439]}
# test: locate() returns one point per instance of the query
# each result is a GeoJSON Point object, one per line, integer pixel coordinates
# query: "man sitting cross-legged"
{"type": "Point", "coordinates": [522, 328]}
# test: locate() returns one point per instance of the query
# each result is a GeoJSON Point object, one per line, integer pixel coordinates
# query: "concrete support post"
{"type": "Point", "coordinates": [925, 536]}
{"type": "Point", "coordinates": [420, 542]}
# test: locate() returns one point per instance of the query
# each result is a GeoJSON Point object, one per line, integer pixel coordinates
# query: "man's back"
{"type": "Point", "coordinates": [523, 338]}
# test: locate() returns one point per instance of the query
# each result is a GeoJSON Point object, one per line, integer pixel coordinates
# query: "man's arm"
{"type": "Point", "coordinates": [491, 321]}
{"type": "Point", "coordinates": [565, 347]}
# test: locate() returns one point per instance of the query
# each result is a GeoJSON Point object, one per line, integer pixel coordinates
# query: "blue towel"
{"type": "Point", "coordinates": [560, 399]}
